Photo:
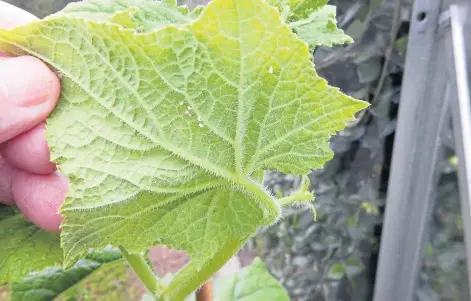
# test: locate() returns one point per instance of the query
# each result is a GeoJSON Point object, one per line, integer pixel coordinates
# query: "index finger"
{"type": "Point", "coordinates": [11, 16]}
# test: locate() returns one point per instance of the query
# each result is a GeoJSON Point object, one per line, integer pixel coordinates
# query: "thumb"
{"type": "Point", "coordinates": [28, 93]}
{"type": "Point", "coordinates": [11, 16]}
{"type": "Point", "coordinates": [28, 89]}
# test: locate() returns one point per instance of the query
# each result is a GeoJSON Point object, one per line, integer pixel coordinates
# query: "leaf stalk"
{"type": "Point", "coordinates": [144, 272]}
{"type": "Point", "coordinates": [303, 195]}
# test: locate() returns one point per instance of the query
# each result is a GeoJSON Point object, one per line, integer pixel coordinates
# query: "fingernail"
{"type": "Point", "coordinates": [25, 81]}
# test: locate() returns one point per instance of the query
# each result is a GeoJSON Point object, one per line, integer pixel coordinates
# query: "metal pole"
{"type": "Point", "coordinates": [417, 147]}
{"type": "Point", "coordinates": [461, 114]}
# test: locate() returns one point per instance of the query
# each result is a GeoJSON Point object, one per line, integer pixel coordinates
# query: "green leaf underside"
{"type": "Point", "coordinates": [163, 133]}
{"type": "Point", "coordinates": [301, 9]}
{"type": "Point", "coordinates": [24, 248]}
{"type": "Point", "coordinates": [320, 28]}
{"type": "Point", "coordinates": [313, 21]}
{"type": "Point", "coordinates": [294, 10]}
{"type": "Point", "coordinates": [50, 283]}
{"type": "Point", "coordinates": [252, 283]}
{"type": "Point", "coordinates": [144, 15]}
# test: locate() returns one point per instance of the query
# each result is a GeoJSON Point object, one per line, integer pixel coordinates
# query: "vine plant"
{"type": "Point", "coordinates": [167, 120]}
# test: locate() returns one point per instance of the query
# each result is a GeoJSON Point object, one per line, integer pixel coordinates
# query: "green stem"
{"type": "Point", "coordinates": [194, 275]}
{"type": "Point", "coordinates": [299, 196]}
{"type": "Point", "coordinates": [271, 208]}
{"type": "Point", "coordinates": [143, 271]}
{"type": "Point", "coordinates": [286, 201]}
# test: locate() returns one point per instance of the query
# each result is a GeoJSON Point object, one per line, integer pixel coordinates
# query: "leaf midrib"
{"type": "Point", "coordinates": [239, 132]}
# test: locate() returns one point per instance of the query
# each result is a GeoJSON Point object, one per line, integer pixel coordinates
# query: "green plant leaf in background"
{"type": "Point", "coordinates": [336, 271]}
{"type": "Point", "coordinates": [294, 10]}
{"type": "Point", "coordinates": [112, 282]}
{"type": "Point", "coordinates": [313, 21]}
{"type": "Point", "coordinates": [252, 283]}
{"type": "Point", "coordinates": [24, 248]}
{"type": "Point", "coordinates": [302, 9]}
{"type": "Point", "coordinates": [7, 211]}
{"type": "Point", "coordinates": [162, 133]}
{"type": "Point", "coordinates": [143, 15]}
{"type": "Point", "coordinates": [50, 283]}
{"type": "Point", "coordinates": [320, 28]}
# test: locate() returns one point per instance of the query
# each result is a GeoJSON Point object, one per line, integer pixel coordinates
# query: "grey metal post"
{"type": "Point", "coordinates": [436, 40]}
{"type": "Point", "coordinates": [422, 114]}
{"type": "Point", "coordinates": [460, 58]}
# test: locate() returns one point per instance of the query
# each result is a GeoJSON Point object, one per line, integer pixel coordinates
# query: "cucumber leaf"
{"type": "Point", "coordinates": [320, 28]}
{"type": "Point", "coordinates": [294, 10]}
{"type": "Point", "coordinates": [164, 134]}
{"type": "Point", "coordinates": [313, 21]}
{"type": "Point", "coordinates": [302, 9]}
{"type": "Point", "coordinates": [24, 248]}
{"type": "Point", "coordinates": [252, 283]}
{"type": "Point", "coordinates": [7, 211]}
{"type": "Point", "coordinates": [113, 281]}
{"type": "Point", "coordinates": [51, 282]}
{"type": "Point", "coordinates": [142, 15]}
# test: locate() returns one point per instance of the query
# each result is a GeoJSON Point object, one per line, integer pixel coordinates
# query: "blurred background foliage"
{"type": "Point", "coordinates": [334, 258]}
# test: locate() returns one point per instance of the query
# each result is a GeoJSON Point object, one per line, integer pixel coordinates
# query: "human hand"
{"type": "Point", "coordinates": [29, 91]}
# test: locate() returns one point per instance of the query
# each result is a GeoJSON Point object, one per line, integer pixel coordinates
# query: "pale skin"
{"type": "Point", "coordinates": [29, 90]}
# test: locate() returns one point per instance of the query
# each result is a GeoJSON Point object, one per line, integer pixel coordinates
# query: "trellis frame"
{"type": "Point", "coordinates": [435, 87]}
